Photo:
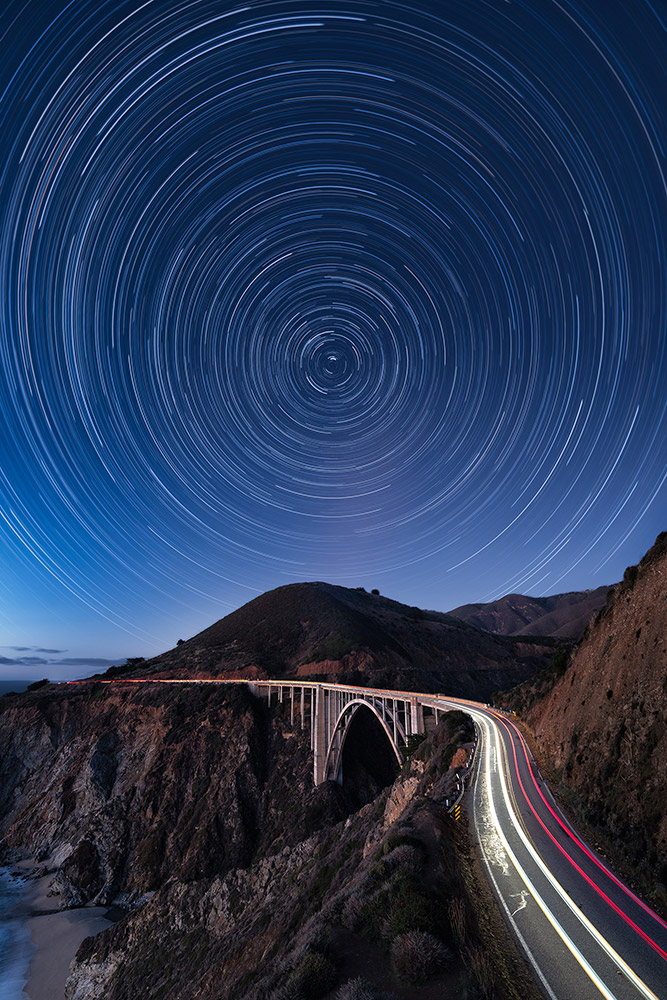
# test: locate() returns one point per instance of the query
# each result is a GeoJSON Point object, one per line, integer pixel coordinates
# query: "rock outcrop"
{"type": "Point", "coordinates": [604, 722]}
{"type": "Point", "coordinates": [125, 787]}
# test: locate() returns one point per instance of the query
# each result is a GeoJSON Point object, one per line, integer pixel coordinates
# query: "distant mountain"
{"type": "Point", "coordinates": [318, 630]}
{"type": "Point", "coordinates": [562, 615]}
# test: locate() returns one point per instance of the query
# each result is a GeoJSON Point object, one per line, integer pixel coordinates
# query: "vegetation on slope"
{"type": "Point", "coordinates": [317, 630]}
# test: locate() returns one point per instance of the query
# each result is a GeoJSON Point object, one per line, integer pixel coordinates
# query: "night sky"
{"type": "Point", "coordinates": [366, 292]}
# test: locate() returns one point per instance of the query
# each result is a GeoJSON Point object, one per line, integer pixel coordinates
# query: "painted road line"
{"type": "Point", "coordinates": [583, 919]}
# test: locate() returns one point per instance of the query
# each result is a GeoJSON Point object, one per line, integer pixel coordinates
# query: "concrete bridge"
{"type": "Point", "coordinates": [328, 710]}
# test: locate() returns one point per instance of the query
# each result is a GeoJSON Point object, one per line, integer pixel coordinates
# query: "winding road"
{"type": "Point", "coordinates": [585, 932]}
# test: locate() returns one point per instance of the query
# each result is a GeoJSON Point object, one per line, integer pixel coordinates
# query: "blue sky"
{"type": "Point", "coordinates": [363, 292]}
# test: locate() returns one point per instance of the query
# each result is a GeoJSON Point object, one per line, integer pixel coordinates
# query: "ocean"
{"type": "Point", "coordinates": [13, 685]}
{"type": "Point", "coordinates": [15, 946]}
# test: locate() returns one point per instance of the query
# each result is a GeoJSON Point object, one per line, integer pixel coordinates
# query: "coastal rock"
{"type": "Point", "coordinates": [79, 877]}
{"type": "Point", "coordinates": [401, 794]}
{"type": "Point", "coordinates": [125, 787]}
{"type": "Point", "coordinates": [90, 981]}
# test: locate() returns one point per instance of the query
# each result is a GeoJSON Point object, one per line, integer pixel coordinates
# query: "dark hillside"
{"type": "Point", "coordinates": [316, 630]}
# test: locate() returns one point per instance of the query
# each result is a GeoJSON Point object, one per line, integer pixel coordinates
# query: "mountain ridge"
{"type": "Point", "coordinates": [323, 631]}
{"type": "Point", "coordinates": [561, 615]}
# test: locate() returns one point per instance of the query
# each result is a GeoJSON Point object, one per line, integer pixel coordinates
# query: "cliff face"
{"type": "Point", "coordinates": [326, 910]}
{"type": "Point", "coordinates": [320, 630]}
{"type": "Point", "coordinates": [604, 723]}
{"type": "Point", "coordinates": [125, 787]}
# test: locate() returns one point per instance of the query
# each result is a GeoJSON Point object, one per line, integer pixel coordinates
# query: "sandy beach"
{"type": "Point", "coordinates": [56, 937]}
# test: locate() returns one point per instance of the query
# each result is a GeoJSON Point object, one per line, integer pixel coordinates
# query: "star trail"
{"type": "Point", "coordinates": [365, 292]}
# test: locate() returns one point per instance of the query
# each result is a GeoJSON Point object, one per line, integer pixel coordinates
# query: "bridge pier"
{"type": "Point", "coordinates": [416, 717]}
{"type": "Point", "coordinates": [320, 731]}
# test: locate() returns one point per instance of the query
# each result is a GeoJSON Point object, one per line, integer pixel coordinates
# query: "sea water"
{"type": "Point", "coordinates": [15, 945]}
{"type": "Point", "coordinates": [12, 685]}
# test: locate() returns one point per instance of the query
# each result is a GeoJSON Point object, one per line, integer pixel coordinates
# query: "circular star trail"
{"type": "Point", "coordinates": [298, 289]}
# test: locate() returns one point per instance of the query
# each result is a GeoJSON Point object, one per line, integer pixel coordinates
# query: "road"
{"type": "Point", "coordinates": [585, 933]}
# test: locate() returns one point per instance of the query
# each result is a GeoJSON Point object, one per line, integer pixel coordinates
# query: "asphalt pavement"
{"type": "Point", "coordinates": [584, 932]}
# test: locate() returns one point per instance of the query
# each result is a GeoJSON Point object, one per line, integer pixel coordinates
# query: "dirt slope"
{"type": "Point", "coordinates": [604, 722]}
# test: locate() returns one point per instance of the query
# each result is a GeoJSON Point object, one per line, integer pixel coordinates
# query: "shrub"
{"type": "Point", "coordinates": [417, 955]}
{"type": "Point", "coordinates": [480, 965]}
{"type": "Point", "coordinates": [321, 940]}
{"type": "Point", "coordinates": [313, 976]}
{"type": "Point", "coordinates": [413, 741]}
{"type": "Point", "coordinates": [397, 839]}
{"type": "Point", "coordinates": [332, 909]}
{"type": "Point", "coordinates": [408, 906]}
{"type": "Point", "coordinates": [130, 664]}
{"type": "Point", "coordinates": [291, 990]}
{"type": "Point", "coordinates": [406, 857]}
{"type": "Point", "coordinates": [357, 989]}
{"type": "Point", "coordinates": [322, 881]}
{"type": "Point", "coordinates": [36, 685]}
{"type": "Point", "coordinates": [352, 910]}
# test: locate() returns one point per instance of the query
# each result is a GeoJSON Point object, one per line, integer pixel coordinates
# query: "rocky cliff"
{"type": "Point", "coordinates": [604, 722]}
{"type": "Point", "coordinates": [194, 807]}
{"type": "Point", "coordinates": [381, 901]}
{"type": "Point", "coordinates": [123, 788]}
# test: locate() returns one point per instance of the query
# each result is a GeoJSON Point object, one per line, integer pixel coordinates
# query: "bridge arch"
{"type": "Point", "coordinates": [393, 729]}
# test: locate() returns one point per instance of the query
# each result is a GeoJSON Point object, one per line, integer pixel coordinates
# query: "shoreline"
{"type": "Point", "coordinates": [55, 935]}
